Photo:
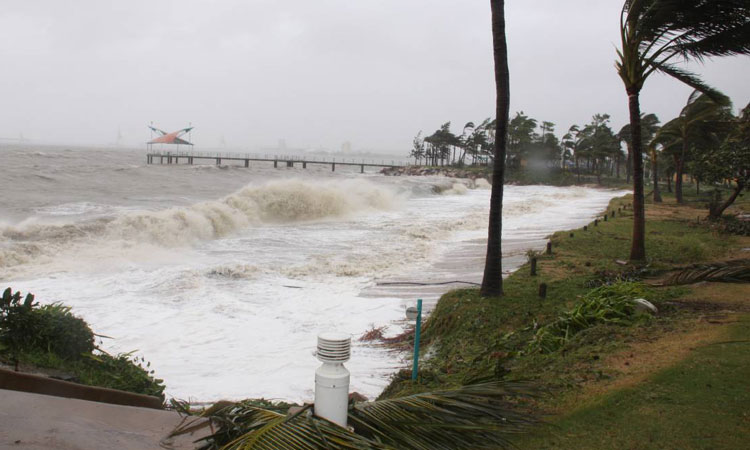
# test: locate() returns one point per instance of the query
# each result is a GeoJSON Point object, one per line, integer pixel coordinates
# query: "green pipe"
{"type": "Point", "coordinates": [417, 332]}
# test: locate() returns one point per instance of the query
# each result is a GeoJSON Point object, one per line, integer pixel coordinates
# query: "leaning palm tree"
{"type": "Point", "coordinates": [655, 35]}
{"type": "Point", "coordinates": [482, 415]}
{"type": "Point", "coordinates": [492, 281]}
{"type": "Point", "coordinates": [698, 122]}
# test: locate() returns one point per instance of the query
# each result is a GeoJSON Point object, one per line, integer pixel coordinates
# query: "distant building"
{"type": "Point", "coordinates": [346, 147]}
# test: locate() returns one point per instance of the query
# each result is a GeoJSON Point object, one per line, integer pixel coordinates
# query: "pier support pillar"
{"type": "Point", "coordinates": [290, 163]}
{"type": "Point", "coordinates": [333, 167]}
{"type": "Point", "coordinates": [304, 164]}
{"type": "Point", "coordinates": [218, 161]}
{"type": "Point", "coordinates": [275, 164]}
{"type": "Point", "coordinates": [162, 160]}
{"type": "Point", "coordinates": [190, 160]}
{"type": "Point", "coordinates": [247, 163]}
{"type": "Point", "coordinates": [362, 168]}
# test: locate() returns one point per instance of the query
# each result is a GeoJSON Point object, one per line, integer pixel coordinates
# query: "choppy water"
{"type": "Point", "coordinates": [223, 276]}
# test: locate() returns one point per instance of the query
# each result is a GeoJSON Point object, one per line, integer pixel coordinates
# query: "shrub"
{"type": "Point", "coordinates": [52, 328]}
{"type": "Point", "coordinates": [63, 333]}
{"type": "Point", "coordinates": [123, 372]}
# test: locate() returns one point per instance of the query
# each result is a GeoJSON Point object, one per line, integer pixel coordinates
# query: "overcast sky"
{"type": "Point", "coordinates": [314, 72]}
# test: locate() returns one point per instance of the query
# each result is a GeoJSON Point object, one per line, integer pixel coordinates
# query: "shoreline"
{"type": "Point", "coordinates": [515, 177]}
{"type": "Point", "coordinates": [468, 337]}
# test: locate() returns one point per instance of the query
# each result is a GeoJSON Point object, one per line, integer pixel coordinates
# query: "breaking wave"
{"type": "Point", "coordinates": [274, 202]}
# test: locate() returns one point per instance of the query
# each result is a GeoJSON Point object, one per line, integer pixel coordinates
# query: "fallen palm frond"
{"type": "Point", "coordinates": [611, 304]}
{"type": "Point", "coordinates": [475, 416]}
{"type": "Point", "coordinates": [737, 271]}
{"type": "Point", "coordinates": [481, 415]}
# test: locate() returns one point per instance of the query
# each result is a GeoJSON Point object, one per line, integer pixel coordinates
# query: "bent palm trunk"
{"type": "Point", "coordinates": [717, 211]}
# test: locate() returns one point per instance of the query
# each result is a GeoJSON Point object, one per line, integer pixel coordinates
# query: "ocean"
{"type": "Point", "coordinates": [222, 276]}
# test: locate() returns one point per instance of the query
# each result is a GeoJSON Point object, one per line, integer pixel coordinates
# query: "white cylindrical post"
{"type": "Point", "coordinates": [332, 378]}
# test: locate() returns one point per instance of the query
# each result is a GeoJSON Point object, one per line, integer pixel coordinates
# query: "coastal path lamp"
{"type": "Point", "coordinates": [413, 313]}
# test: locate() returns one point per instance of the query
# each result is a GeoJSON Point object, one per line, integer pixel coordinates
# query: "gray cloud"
{"type": "Point", "coordinates": [312, 72]}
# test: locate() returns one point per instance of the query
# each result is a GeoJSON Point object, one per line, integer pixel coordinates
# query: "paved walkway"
{"type": "Point", "coordinates": [34, 421]}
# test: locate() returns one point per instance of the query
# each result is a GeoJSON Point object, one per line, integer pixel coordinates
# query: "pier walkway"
{"type": "Point", "coordinates": [287, 160]}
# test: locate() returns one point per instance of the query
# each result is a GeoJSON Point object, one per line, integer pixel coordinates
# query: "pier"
{"type": "Point", "coordinates": [191, 158]}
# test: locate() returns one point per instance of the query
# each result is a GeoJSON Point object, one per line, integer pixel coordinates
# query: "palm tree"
{"type": "Point", "coordinates": [655, 34]}
{"type": "Point", "coordinates": [600, 142]}
{"type": "Point", "coordinates": [492, 281]}
{"type": "Point", "coordinates": [728, 162]}
{"type": "Point", "coordinates": [652, 151]}
{"type": "Point", "coordinates": [624, 136]}
{"type": "Point", "coordinates": [464, 141]}
{"type": "Point", "coordinates": [697, 123]}
{"type": "Point", "coordinates": [572, 141]}
{"type": "Point", "coordinates": [520, 137]}
{"type": "Point", "coordinates": [473, 416]}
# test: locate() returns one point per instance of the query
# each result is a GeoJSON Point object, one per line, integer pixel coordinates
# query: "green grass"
{"type": "Point", "coordinates": [468, 337]}
{"type": "Point", "coordinates": [700, 403]}
{"type": "Point", "coordinates": [668, 241]}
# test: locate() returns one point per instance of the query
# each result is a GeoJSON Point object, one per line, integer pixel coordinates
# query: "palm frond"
{"type": "Point", "coordinates": [475, 416]}
{"type": "Point", "coordinates": [691, 80]}
{"type": "Point", "coordinates": [654, 32]}
{"type": "Point", "coordinates": [717, 28]}
{"type": "Point", "coordinates": [737, 271]}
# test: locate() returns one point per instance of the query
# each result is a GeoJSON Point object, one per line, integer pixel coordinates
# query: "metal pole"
{"type": "Point", "coordinates": [417, 332]}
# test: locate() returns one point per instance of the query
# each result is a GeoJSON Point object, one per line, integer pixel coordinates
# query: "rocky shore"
{"type": "Point", "coordinates": [450, 172]}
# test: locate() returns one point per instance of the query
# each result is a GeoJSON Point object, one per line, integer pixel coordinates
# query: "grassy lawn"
{"type": "Point", "coordinates": [698, 403]}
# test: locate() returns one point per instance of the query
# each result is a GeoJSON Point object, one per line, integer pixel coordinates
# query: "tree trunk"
{"type": "Point", "coordinates": [629, 165]}
{"type": "Point", "coordinates": [679, 165]}
{"type": "Point", "coordinates": [697, 186]}
{"type": "Point", "coordinates": [492, 282]}
{"type": "Point", "coordinates": [638, 247]}
{"type": "Point", "coordinates": [618, 168]}
{"type": "Point", "coordinates": [655, 173]}
{"type": "Point", "coordinates": [669, 182]}
{"type": "Point", "coordinates": [578, 171]}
